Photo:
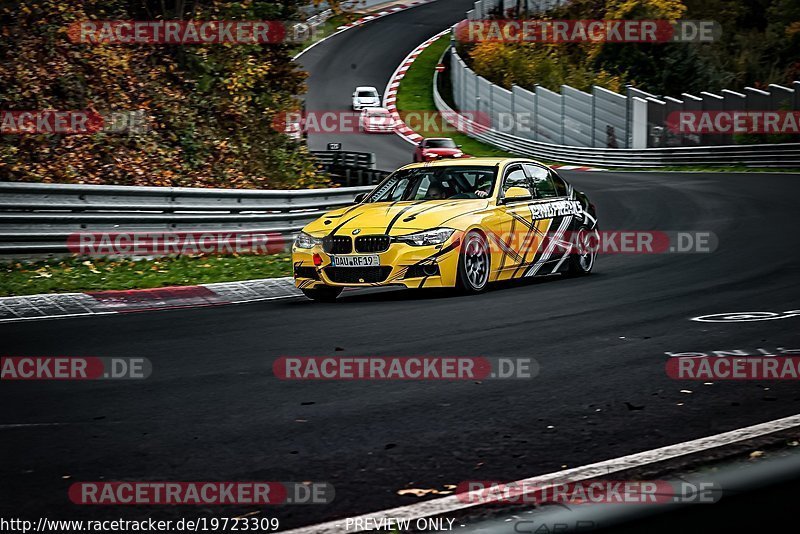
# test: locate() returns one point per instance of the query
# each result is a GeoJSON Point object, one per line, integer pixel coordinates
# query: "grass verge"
{"type": "Point", "coordinates": [415, 93]}
{"type": "Point", "coordinates": [76, 274]}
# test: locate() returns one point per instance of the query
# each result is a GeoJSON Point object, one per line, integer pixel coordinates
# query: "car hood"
{"type": "Point", "coordinates": [397, 218]}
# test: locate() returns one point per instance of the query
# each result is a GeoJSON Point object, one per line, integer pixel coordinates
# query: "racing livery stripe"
{"type": "Point", "coordinates": [533, 232]}
{"type": "Point", "coordinates": [550, 247]}
{"type": "Point", "coordinates": [429, 208]}
{"type": "Point", "coordinates": [342, 224]}
{"type": "Point", "coordinates": [399, 214]}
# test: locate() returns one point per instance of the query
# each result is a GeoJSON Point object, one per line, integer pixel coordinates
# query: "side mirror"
{"type": "Point", "coordinates": [359, 198]}
{"type": "Point", "coordinates": [419, 144]}
{"type": "Point", "coordinates": [516, 194]}
{"type": "Point", "coordinates": [458, 146]}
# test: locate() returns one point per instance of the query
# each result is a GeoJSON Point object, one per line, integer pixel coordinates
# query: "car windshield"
{"type": "Point", "coordinates": [440, 143]}
{"type": "Point", "coordinates": [367, 94]}
{"type": "Point", "coordinates": [435, 183]}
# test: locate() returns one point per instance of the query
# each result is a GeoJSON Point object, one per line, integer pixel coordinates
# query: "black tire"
{"type": "Point", "coordinates": [581, 260]}
{"type": "Point", "coordinates": [474, 264]}
{"type": "Point", "coordinates": [323, 293]}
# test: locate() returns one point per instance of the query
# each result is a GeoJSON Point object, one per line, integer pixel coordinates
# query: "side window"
{"type": "Point", "coordinates": [542, 181]}
{"type": "Point", "coordinates": [561, 185]}
{"type": "Point", "coordinates": [515, 177]}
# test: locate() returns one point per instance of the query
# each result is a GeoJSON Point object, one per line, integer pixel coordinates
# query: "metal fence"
{"type": "Point", "coordinates": [600, 118]}
{"type": "Point", "coordinates": [40, 218]}
{"type": "Point", "coordinates": [548, 143]}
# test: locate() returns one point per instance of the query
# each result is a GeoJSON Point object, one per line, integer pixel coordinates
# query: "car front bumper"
{"type": "Point", "coordinates": [401, 264]}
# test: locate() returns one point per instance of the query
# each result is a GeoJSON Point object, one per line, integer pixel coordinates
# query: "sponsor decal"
{"type": "Point", "coordinates": [560, 208]}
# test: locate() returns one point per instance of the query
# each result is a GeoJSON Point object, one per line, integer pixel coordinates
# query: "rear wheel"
{"type": "Point", "coordinates": [584, 253]}
{"type": "Point", "coordinates": [474, 263]}
{"type": "Point", "coordinates": [323, 293]}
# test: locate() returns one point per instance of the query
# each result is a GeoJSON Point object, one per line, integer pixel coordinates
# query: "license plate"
{"type": "Point", "coordinates": [356, 261]}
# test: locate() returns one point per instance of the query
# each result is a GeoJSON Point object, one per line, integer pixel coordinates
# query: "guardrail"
{"type": "Point", "coordinates": [39, 218]}
{"type": "Point", "coordinates": [365, 160]}
{"type": "Point", "coordinates": [772, 155]}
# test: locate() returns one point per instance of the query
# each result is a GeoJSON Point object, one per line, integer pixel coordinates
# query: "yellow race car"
{"type": "Point", "coordinates": [450, 223]}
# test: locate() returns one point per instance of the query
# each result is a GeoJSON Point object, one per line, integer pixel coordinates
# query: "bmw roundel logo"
{"type": "Point", "coordinates": [357, 231]}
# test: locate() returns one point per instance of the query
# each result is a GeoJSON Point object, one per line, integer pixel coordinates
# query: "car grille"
{"type": "Point", "coordinates": [372, 243]}
{"type": "Point", "coordinates": [306, 272]}
{"type": "Point", "coordinates": [337, 244]}
{"type": "Point", "coordinates": [357, 275]}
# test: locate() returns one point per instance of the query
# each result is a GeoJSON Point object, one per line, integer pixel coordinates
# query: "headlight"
{"type": "Point", "coordinates": [303, 240]}
{"type": "Point", "coordinates": [427, 237]}
{"type": "Point", "coordinates": [458, 154]}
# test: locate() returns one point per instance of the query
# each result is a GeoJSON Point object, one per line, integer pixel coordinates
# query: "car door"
{"type": "Point", "coordinates": [550, 208]}
{"type": "Point", "coordinates": [510, 224]}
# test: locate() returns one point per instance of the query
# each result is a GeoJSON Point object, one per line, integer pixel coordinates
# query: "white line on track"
{"type": "Point", "coordinates": [454, 503]}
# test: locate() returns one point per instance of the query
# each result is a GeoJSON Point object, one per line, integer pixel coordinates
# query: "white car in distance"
{"type": "Point", "coordinates": [366, 97]}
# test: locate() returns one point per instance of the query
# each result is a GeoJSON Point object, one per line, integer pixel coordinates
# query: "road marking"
{"type": "Point", "coordinates": [454, 503]}
{"type": "Point", "coordinates": [746, 317]}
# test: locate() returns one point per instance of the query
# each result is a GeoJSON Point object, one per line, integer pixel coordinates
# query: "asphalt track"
{"type": "Point", "coordinates": [368, 55]}
{"type": "Point", "coordinates": [212, 410]}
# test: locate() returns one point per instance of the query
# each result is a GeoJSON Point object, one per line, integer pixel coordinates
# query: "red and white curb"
{"type": "Point", "coordinates": [390, 94]}
{"type": "Point", "coordinates": [384, 13]}
{"type": "Point", "coordinates": [58, 306]}
{"type": "Point", "coordinates": [363, 20]}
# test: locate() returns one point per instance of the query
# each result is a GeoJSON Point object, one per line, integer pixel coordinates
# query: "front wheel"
{"type": "Point", "coordinates": [584, 252]}
{"type": "Point", "coordinates": [323, 293]}
{"type": "Point", "coordinates": [474, 263]}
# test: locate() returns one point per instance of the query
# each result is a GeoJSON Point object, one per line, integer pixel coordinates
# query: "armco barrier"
{"type": "Point", "coordinates": [38, 218]}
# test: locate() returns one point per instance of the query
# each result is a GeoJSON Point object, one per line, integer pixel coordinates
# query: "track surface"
{"type": "Point", "coordinates": [368, 55]}
{"type": "Point", "coordinates": [213, 410]}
